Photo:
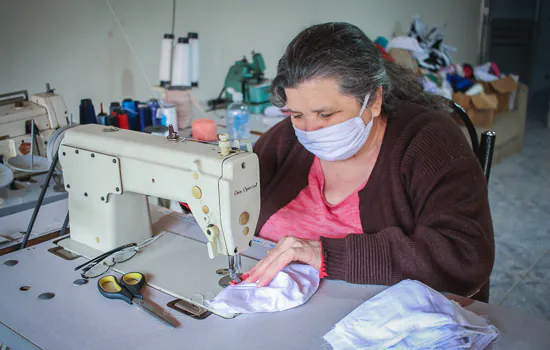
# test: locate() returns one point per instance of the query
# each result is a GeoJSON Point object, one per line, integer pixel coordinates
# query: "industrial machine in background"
{"type": "Point", "coordinates": [18, 112]}
{"type": "Point", "coordinates": [247, 78]}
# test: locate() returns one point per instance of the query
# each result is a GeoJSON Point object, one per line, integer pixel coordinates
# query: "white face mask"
{"type": "Point", "coordinates": [340, 141]}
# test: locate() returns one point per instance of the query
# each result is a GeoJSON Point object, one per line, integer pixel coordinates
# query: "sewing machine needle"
{"type": "Point", "coordinates": [234, 267]}
{"type": "Point", "coordinates": [238, 265]}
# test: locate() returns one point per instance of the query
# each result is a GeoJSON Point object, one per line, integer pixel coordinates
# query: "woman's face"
{"type": "Point", "coordinates": [317, 103]}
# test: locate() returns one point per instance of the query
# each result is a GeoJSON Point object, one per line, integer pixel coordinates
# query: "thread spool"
{"type": "Point", "coordinates": [87, 112]}
{"type": "Point", "coordinates": [181, 68]}
{"type": "Point", "coordinates": [181, 99]}
{"type": "Point", "coordinates": [168, 115]}
{"type": "Point", "coordinates": [165, 59]}
{"type": "Point", "coordinates": [101, 116]}
{"type": "Point", "coordinates": [111, 120]}
{"type": "Point", "coordinates": [113, 107]}
{"type": "Point", "coordinates": [194, 54]}
{"type": "Point", "coordinates": [205, 130]}
{"type": "Point", "coordinates": [122, 119]}
{"type": "Point", "coordinates": [145, 117]}
{"type": "Point", "coordinates": [154, 106]}
{"type": "Point", "coordinates": [129, 106]}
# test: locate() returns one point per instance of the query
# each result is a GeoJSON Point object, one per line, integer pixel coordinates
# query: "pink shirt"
{"type": "Point", "coordinates": [309, 216]}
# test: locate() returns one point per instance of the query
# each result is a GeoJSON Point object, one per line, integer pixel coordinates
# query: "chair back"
{"type": "Point", "coordinates": [483, 149]}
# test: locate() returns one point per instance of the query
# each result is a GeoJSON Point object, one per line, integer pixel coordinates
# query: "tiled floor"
{"type": "Point", "coordinates": [519, 193]}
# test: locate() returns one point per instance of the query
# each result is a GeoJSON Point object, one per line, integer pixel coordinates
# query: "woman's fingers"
{"type": "Point", "coordinates": [288, 249]}
{"type": "Point", "coordinates": [277, 265]}
{"type": "Point", "coordinates": [256, 272]}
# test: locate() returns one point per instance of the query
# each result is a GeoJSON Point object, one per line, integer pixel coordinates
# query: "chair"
{"type": "Point", "coordinates": [483, 149]}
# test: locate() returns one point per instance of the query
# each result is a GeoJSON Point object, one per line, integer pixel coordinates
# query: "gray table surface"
{"type": "Point", "coordinates": [79, 317]}
{"type": "Point", "coordinates": [20, 200]}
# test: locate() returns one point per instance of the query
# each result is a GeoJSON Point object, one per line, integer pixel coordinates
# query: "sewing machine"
{"type": "Point", "coordinates": [248, 78]}
{"type": "Point", "coordinates": [109, 173]}
{"type": "Point", "coordinates": [17, 110]}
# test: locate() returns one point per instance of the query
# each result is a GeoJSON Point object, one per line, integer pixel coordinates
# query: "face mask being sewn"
{"type": "Point", "coordinates": [340, 141]}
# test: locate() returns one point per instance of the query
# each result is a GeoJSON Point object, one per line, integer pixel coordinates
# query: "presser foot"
{"type": "Point", "coordinates": [226, 280]}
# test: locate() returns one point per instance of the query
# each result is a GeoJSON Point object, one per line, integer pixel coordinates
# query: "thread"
{"type": "Point", "coordinates": [145, 117]}
{"type": "Point", "coordinates": [205, 130]}
{"type": "Point", "coordinates": [181, 68]}
{"type": "Point", "coordinates": [168, 115]}
{"type": "Point", "coordinates": [87, 112]}
{"type": "Point", "coordinates": [122, 119]}
{"type": "Point", "coordinates": [113, 107]}
{"type": "Point", "coordinates": [129, 106]}
{"type": "Point", "coordinates": [111, 120]}
{"type": "Point", "coordinates": [194, 54]}
{"type": "Point", "coordinates": [181, 99]}
{"type": "Point", "coordinates": [165, 59]}
{"type": "Point", "coordinates": [101, 116]}
{"type": "Point", "coordinates": [154, 106]}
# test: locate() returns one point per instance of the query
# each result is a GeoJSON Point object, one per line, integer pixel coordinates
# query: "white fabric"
{"type": "Point", "coordinates": [291, 287]}
{"type": "Point", "coordinates": [475, 89]}
{"type": "Point", "coordinates": [481, 73]}
{"type": "Point", "coordinates": [405, 43]}
{"type": "Point", "coordinates": [411, 315]}
{"type": "Point", "coordinates": [340, 141]}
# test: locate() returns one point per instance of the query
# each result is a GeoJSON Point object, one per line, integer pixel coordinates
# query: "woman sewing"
{"type": "Point", "coordinates": [369, 180]}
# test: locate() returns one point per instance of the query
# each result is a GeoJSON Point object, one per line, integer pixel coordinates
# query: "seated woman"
{"type": "Point", "coordinates": [370, 180]}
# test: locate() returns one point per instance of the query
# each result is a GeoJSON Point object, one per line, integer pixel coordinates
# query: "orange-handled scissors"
{"type": "Point", "coordinates": [129, 290]}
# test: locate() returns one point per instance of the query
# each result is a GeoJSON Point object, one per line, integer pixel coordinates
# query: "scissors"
{"type": "Point", "coordinates": [129, 291]}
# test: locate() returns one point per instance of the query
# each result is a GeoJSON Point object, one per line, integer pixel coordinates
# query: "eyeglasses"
{"type": "Point", "coordinates": [102, 263]}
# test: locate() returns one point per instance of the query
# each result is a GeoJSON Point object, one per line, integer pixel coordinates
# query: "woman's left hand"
{"type": "Point", "coordinates": [288, 249]}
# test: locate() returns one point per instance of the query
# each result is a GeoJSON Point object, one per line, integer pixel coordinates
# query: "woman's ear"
{"type": "Point", "coordinates": [376, 104]}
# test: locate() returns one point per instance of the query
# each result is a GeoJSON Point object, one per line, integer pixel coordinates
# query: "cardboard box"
{"type": "Point", "coordinates": [504, 89]}
{"type": "Point", "coordinates": [480, 108]}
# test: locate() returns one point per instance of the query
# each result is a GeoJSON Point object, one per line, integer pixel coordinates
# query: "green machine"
{"type": "Point", "coordinates": [248, 78]}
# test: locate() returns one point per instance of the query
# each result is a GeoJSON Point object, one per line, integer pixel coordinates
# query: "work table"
{"type": "Point", "coordinates": [79, 317]}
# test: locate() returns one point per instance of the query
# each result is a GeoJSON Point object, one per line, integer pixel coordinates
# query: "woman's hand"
{"type": "Point", "coordinates": [288, 249]}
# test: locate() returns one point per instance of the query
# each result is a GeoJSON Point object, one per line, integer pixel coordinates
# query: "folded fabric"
{"type": "Point", "coordinates": [475, 89]}
{"type": "Point", "coordinates": [411, 315]}
{"type": "Point", "coordinates": [405, 43]}
{"type": "Point", "coordinates": [291, 287]}
{"type": "Point", "coordinates": [485, 72]}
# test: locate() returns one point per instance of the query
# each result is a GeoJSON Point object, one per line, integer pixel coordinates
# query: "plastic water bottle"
{"type": "Point", "coordinates": [238, 117]}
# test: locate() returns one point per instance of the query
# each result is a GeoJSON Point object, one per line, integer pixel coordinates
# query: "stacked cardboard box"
{"type": "Point", "coordinates": [504, 89]}
{"type": "Point", "coordinates": [498, 97]}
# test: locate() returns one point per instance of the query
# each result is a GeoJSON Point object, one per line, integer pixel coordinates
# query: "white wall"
{"type": "Point", "coordinates": [77, 46]}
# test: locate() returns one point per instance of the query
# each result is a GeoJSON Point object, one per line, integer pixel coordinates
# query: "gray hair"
{"type": "Point", "coordinates": [343, 52]}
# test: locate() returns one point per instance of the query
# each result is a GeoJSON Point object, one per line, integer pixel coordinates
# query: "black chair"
{"type": "Point", "coordinates": [484, 149]}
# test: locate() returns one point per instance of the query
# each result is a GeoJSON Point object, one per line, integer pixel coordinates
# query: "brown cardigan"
{"type": "Point", "coordinates": [424, 211]}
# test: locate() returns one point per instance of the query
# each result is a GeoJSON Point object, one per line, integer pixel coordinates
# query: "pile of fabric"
{"type": "Point", "coordinates": [423, 51]}
{"type": "Point", "coordinates": [411, 315]}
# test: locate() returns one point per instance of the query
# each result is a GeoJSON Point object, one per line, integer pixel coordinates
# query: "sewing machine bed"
{"type": "Point", "coordinates": [174, 264]}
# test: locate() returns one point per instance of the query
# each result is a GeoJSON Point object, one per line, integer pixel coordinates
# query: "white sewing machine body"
{"type": "Point", "coordinates": [108, 172]}
{"type": "Point", "coordinates": [48, 110]}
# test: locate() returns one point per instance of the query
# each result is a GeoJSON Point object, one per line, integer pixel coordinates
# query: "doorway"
{"type": "Point", "coordinates": [516, 35]}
